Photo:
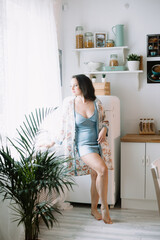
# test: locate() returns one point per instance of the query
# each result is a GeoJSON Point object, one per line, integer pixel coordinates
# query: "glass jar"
{"type": "Point", "coordinates": [79, 37]}
{"type": "Point", "coordinates": [88, 42]}
{"type": "Point", "coordinates": [113, 60]}
{"type": "Point", "coordinates": [109, 43]}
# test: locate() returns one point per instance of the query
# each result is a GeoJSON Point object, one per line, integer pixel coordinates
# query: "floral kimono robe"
{"type": "Point", "coordinates": [67, 137]}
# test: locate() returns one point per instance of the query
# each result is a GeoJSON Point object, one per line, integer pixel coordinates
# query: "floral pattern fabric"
{"type": "Point", "coordinates": [67, 137]}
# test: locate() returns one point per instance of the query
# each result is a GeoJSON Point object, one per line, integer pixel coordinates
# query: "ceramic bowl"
{"type": "Point", "coordinates": [93, 66]}
{"type": "Point", "coordinates": [156, 70]}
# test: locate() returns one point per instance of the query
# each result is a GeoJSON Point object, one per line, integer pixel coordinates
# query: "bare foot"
{"type": "Point", "coordinates": [96, 214]}
{"type": "Point", "coordinates": [105, 215]}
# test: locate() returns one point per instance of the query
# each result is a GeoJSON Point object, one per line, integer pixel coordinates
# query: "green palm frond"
{"type": "Point", "coordinates": [29, 130]}
{"type": "Point", "coordinates": [23, 180]}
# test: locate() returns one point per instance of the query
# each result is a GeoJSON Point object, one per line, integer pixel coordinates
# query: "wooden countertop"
{"type": "Point", "coordinates": [141, 138]}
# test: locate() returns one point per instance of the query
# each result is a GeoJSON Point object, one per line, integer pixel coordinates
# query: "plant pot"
{"type": "Point", "coordinates": [133, 65]}
{"type": "Point", "coordinates": [93, 80]}
{"type": "Point", "coordinates": [103, 79]}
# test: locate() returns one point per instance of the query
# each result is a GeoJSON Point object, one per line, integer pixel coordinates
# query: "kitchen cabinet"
{"type": "Point", "coordinates": [102, 55]}
{"type": "Point", "coordinates": [137, 154]}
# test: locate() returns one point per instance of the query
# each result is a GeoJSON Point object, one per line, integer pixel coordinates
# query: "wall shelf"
{"type": "Point", "coordinates": [102, 49]}
{"type": "Point", "coordinates": [118, 72]}
{"type": "Point", "coordinates": [114, 72]}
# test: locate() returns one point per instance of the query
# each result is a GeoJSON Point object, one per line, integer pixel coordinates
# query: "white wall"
{"type": "Point", "coordinates": [140, 17]}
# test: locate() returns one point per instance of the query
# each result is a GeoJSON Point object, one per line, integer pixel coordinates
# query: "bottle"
{"type": "Point", "coordinates": [88, 42]}
{"type": "Point", "coordinates": [79, 37]}
{"type": "Point", "coordinates": [113, 60]}
{"type": "Point", "coordinates": [148, 125]}
{"type": "Point", "coordinates": [109, 43]}
{"type": "Point", "coordinates": [144, 125]}
{"type": "Point", "coordinates": [141, 125]}
{"type": "Point", "coordinates": [152, 124]}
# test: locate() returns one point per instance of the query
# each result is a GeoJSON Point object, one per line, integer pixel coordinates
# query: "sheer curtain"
{"type": "Point", "coordinates": [31, 69]}
{"type": "Point", "coordinates": [29, 72]}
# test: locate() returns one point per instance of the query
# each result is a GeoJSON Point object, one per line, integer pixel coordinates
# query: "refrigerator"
{"type": "Point", "coordinates": [81, 191]}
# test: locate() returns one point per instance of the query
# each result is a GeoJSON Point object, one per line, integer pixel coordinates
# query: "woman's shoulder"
{"type": "Point", "coordinates": [99, 105]}
{"type": "Point", "coordinates": [98, 101]}
{"type": "Point", "coordinates": [68, 100]}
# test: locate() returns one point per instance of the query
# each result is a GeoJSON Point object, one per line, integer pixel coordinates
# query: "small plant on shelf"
{"type": "Point", "coordinates": [103, 77]}
{"type": "Point", "coordinates": [133, 62]}
{"type": "Point", "coordinates": [93, 78]}
{"type": "Point", "coordinates": [133, 57]}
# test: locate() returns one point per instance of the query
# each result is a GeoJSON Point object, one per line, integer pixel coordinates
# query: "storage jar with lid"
{"type": "Point", "coordinates": [109, 43]}
{"type": "Point", "coordinates": [79, 37]}
{"type": "Point", "coordinates": [113, 60]}
{"type": "Point", "coordinates": [88, 42]}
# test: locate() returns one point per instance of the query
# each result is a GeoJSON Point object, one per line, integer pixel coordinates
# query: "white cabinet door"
{"type": "Point", "coordinates": [132, 170]}
{"type": "Point", "coordinates": [152, 153]}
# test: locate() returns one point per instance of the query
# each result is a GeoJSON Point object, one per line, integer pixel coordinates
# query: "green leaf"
{"type": "Point", "coordinates": [23, 179]}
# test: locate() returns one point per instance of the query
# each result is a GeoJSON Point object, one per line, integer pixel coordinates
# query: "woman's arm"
{"type": "Point", "coordinates": [104, 129]}
{"type": "Point", "coordinates": [102, 135]}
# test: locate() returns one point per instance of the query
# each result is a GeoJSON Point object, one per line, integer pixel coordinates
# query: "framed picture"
{"type": "Point", "coordinates": [100, 39]}
{"type": "Point", "coordinates": [153, 71]}
{"type": "Point", "coordinates": [153, 46]}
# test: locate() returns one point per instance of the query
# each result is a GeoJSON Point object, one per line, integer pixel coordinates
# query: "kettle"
{"type": "Point", "coordinates": [118, 31]}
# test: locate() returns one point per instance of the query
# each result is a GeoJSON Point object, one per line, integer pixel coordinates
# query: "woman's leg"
{"type": "Point", "coordinates": [94, 196]}
{"type": "Point", "coordinates": [95, 162]}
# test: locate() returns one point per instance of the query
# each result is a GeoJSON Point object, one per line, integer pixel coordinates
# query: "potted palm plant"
{"type": "Point", "coordinates": [25, 176]}
{"type": "Point", "coordinates": [133, 62]}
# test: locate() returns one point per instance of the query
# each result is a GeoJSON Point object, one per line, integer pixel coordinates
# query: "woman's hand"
{"type": "Point", "coordinates": [102, 135]}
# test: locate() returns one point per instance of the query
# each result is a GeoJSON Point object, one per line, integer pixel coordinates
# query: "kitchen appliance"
{"type": "Point", "coordinates": [118, 31]}
{"type": "Point", "coordinates": [81, 191]}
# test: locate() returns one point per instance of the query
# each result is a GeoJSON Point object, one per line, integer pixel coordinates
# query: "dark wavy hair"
{"type": "Point", "coordinates": [86, 86]}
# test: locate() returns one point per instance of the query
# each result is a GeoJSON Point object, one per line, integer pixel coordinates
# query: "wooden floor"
{"type": "Point", "coordinates": [78, 224]}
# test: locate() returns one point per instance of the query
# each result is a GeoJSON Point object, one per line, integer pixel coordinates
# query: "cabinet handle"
{"type": "Point", "coordinates": [143, 161]}
{"type": "Point", "coordinates": [147, 161]}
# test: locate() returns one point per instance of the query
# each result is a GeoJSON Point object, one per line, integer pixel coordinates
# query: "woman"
{"type": "Point", "coordinates": [84, 134]}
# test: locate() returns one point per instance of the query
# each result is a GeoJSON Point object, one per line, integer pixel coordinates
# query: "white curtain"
{"type": "Point", "coordinates": [30, 72]}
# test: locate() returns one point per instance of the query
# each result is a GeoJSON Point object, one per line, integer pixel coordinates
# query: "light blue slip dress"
{"type": "Point", "coordinates": [86, 133]}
